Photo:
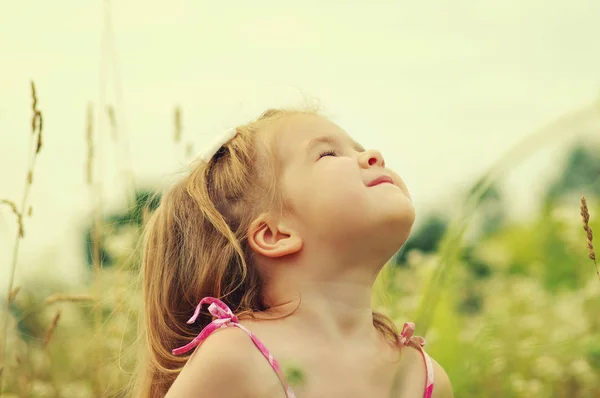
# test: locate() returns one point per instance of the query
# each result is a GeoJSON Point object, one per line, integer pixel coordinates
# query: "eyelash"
{"type": "Point", "coordinates": [327, 153]}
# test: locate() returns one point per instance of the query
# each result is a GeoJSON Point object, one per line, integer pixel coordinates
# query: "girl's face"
{"type": "Point", "coordinates": [338, 191]}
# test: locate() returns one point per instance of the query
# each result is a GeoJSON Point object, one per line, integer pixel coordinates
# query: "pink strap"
{"type": "Point", "coordinates": [225, 318]}
{"type": "Point", "coordinates": [407, 338]}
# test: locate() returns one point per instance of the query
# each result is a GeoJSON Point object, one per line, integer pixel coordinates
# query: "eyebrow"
{"type": "Point", "coordinates": [328, 139]}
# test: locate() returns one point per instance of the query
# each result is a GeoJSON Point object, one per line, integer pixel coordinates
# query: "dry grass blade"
{"type": "Point", "coordinates": [51, 328]}
{"type": "Point", "coordinates": [110, 112]}
{"type": "Point", "coordinates": [585, 216]}
{"type": "Point", "coordinates": [56, 298]}
{"type": "Point", "coordinates": [90, 144]}
{"type": "Point", "coordinates": [36, 119]}
{"type": "Point", "coordinates": [177, 124]}
{"type": "Point", "coordinates": [13, 294]}
{"type": "Point", "coordinates": [17, 213]}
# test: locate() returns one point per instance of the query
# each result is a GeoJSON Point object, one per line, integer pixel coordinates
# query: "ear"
{"type": "Point", "coordinates": [272, 238]}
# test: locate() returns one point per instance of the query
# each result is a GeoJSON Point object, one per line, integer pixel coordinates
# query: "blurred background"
{"type": "Point", "coordinates": [490, 111]}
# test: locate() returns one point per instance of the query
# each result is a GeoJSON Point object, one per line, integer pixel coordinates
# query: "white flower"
{"type": "Point", "coordinates": [548, 366]}
{"type": "Point", "coordinates": [517, 382]}
{"type": "Point", "coordinates": [498, 365]}
{"type": "Point", "coordinates": [580, 367]}
{"type": "Point", "coordinates": [534, 387]}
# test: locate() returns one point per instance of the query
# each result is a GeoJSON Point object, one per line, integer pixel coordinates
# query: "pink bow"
{"type": "Point", "coordinates": [407, 335]}
{"type": "Point", "coordinates": [217, 309]}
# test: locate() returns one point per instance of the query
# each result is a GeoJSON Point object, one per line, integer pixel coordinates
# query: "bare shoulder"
{"type": "Point", "coordinates": [226, 365]}
{"type": "Point", "coordinates": [442, 387]}
{"type": "Point", "coordinates": [411, 368]}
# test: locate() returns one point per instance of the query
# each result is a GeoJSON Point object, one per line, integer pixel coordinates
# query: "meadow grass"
{"type": "Point", "coordinates": [35, 148]}
{"type": "Point", "coordinates": [524, 341]}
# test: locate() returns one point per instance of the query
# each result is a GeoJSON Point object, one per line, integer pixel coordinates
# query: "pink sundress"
{"type": "Point", "coordinates": [226, 318]}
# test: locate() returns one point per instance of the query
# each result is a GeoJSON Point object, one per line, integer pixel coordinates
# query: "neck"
{"type": "Point", "coordinates": [333, 305]}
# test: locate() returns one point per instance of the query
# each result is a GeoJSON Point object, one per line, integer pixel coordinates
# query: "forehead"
{"type": "Point", "coordinates": [301, 132]}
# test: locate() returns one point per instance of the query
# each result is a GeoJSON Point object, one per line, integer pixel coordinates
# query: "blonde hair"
{"type": "Point", "coordinates": [195, 245]}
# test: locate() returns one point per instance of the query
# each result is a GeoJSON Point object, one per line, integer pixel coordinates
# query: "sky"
{"type": "Point", "coordinates": [442, 88]}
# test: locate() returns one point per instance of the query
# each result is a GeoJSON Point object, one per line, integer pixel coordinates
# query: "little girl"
{"type": "Point", "coordinates": [280, 231]}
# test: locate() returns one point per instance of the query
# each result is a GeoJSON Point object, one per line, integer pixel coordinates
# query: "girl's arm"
{"type": "Point", "coordinates": [221, 367]}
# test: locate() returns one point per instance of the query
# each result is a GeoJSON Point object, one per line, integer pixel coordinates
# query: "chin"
{"type": "Point", "coordinates": [398, 225]}
{"type": "Point", "coordinates": [400, 211]}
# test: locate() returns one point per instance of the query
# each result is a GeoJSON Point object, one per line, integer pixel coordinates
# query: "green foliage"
{"type": "Point", "coordinates": [581, 174]}
{"type": "Point", "coordinates": [115, 224]}
{"type": "Point", "coordinates": [424, 239]}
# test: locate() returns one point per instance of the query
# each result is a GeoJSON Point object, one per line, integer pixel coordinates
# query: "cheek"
{"type": "Point", "coordinates": [339, 200]}
{"type": "Point", "coordinates": [340, 182]}
{"type": "Point", "coordinates": [338, 194]}
{"type": "Point", "coordinates": [332, 192]}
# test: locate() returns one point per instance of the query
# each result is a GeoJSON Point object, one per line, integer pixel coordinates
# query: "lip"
{"type": "Point", "coordinates": [381, 180]}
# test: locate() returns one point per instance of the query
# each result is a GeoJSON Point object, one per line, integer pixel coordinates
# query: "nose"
{"type": "Point", "coordinates": [371, 158]}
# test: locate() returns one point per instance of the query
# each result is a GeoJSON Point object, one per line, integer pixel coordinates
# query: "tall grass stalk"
{"type": "Point", "coordinates": [450, 246]}
{"type": "Point", "coordinates": [35, 147]}
{"type": "Point", "coordinates": [116, 113]}
{"type": "Point", "coordinates": [95, 195]}
{"type": "Point", "coordinates": [118, 129]}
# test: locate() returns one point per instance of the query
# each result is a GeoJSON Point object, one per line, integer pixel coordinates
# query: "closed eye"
{"type": "Point", "coordinates": [327, 153]}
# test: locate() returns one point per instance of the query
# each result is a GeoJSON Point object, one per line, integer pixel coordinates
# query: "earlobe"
{"type": "Point", "coordinates": [272, 239]}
